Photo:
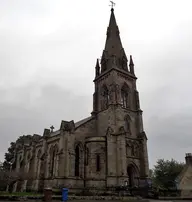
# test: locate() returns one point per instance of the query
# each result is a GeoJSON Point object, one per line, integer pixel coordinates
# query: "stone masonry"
{"type": "Point", "coordinates": [107, 149]}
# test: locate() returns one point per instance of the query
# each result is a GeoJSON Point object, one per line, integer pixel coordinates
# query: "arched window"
{"type": "Point", "coordinates": [77, 160]}
{"type": "Point", "coordinates": [86, 156]}
{"type": "Point", "coordinates": [98, 166]}
{"type": "Point", "coordinates": [105, 94]}
{"type": "Point", "coordinates": [53, 161]}
{"type": "Point", "coordinates": [128, 124]}
{"type": "Point", "coordinates": [39, 163]}
{"type": "Point", "coordinates": [125, 96]}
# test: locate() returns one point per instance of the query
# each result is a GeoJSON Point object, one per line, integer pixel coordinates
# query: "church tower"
{"type": "Point", "coordinates": [106, 149]}
{"type": "Point", "coordinates": [117, 112]}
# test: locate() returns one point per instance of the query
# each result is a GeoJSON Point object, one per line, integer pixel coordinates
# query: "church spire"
{"type": "Point", "coordinates": [113, 52]}
{"type": "Point", "coordinates": [113, 42]}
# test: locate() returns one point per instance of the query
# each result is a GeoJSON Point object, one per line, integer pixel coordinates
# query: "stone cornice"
{"type": "Point", "coordinates": [124, 73]}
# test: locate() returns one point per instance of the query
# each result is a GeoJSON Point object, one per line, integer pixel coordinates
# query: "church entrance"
{"type": "Point", "coordinates": [132, 175]}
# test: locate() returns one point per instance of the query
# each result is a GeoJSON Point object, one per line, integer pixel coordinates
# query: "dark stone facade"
{"type": "Point", "coordinates": [109, 148]}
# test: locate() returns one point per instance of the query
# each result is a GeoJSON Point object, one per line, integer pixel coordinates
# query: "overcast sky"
{"type": "Point", "coordinates": [48, 51]}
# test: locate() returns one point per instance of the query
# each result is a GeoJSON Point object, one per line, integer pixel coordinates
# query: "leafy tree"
{"type": "Point", "coordinates": [3, 181]}
{"type": "Point", "coordinates": [9, 155]}
{"type": "Point", "coordinates": [165, 173]}
{"type": "Point", "coordinates": [151, 173]}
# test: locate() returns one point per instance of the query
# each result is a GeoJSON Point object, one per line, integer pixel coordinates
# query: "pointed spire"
{"type": "Point", "coordinates": [113, 47]}
{"type": "Point", "coordinates": [97, 68]}
{"type": "Point", "coordinates": [131, 65]}
{"type": "Point", "coordinates": [113, 42]}
{"type": "Point", "coordinates": [112, 21]}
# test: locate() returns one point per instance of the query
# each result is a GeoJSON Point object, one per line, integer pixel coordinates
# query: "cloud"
{"type": "Point", "coordinates": [48, 53]}
{"type": "Point", "coordinates": [31, 109]}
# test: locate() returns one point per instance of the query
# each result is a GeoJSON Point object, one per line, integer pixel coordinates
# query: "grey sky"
{"type": "Point", "coordinates": [48, 50]}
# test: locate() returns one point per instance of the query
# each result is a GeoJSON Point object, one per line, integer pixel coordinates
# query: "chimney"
{"type": "Point", "coordinates": [188, 158]}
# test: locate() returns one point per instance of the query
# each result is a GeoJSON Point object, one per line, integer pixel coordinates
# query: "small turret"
{"type": "Point", "coordinates": [46, 133]}
{"type": "Point", "coordinates": [131, 65]}
{"type": "Point", "coordinates": [97, 68]}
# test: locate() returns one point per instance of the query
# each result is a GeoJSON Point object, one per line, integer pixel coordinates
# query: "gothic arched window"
{"type": "Point", "coordinates": [86, 156]}
{"type": "Point", "coordinates": [53, 160]}
{"type": "Point", "coordinates": [125, 96]}
{"type": "Point", "coordinates": [77, 160]}
{"type": "Point", "coordinates": [128, 124]}
{"type": "Point", "coordinates": [98, 166]}
{"type": "Point", "coordinates": [39, 163]}
{"type": "Point", "coordinates": [105, 94]}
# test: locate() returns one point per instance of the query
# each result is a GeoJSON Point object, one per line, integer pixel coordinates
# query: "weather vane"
{"type": "Point", "coordinates": [112, 4]}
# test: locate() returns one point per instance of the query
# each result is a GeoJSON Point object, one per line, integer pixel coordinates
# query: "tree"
{"type": "Point", "coordinates": [3, 177]}
{"type": "Point", "coordinates": [165, 172]}
{"type": "Point", "coordinates": [9, 155]}
{"type": "Point", "coordinates": [151, 173]}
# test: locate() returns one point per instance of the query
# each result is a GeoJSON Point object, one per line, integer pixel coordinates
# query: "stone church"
{"type": "Point", "coordinates": [106, 149]}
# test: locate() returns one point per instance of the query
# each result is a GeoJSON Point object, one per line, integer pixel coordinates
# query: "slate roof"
{"type": "Point", "coordinates": [77, 124]}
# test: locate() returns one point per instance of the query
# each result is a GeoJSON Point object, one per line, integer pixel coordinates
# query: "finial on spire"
{"type": "Point", "coordinates": [131, 61]}
{"type": "Point", "coordinates": [97, 62]}
{"type": "Point", "coordinates": [97, 68]}
{"type": "Point", "coordinates": [112, 5]}
{"type": "Point", "coordinates": [131, 65]}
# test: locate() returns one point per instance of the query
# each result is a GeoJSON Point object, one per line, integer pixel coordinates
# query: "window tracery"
{"type": "Point", "coordinates": [128, 124]}
{"type": "Point", "coordinates": [105, 100]}
{"type": "Point", "coordinates": [53, 161]}
{"type": "Point", "coordinates": [125, 96]}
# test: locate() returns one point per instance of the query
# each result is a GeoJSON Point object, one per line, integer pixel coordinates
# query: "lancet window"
{"type": "Point", "coordinates": [105, 100]}
{"type": "Point", "coordinates": [77, 160]}
{"type": "Point", "coordinates": [98, 163]}
{"type": "Point", "coordinates": [125, 96]}
{"type": "Point", "coordinates": [128, 124]}
{"type": "Point", "coordinates": [53, 161]}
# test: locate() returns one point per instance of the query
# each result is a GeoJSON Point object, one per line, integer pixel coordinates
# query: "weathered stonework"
{"type": "Point", "coordinates": [109, 148]}
{"type": "Point", "coordinates": [184, 180]}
